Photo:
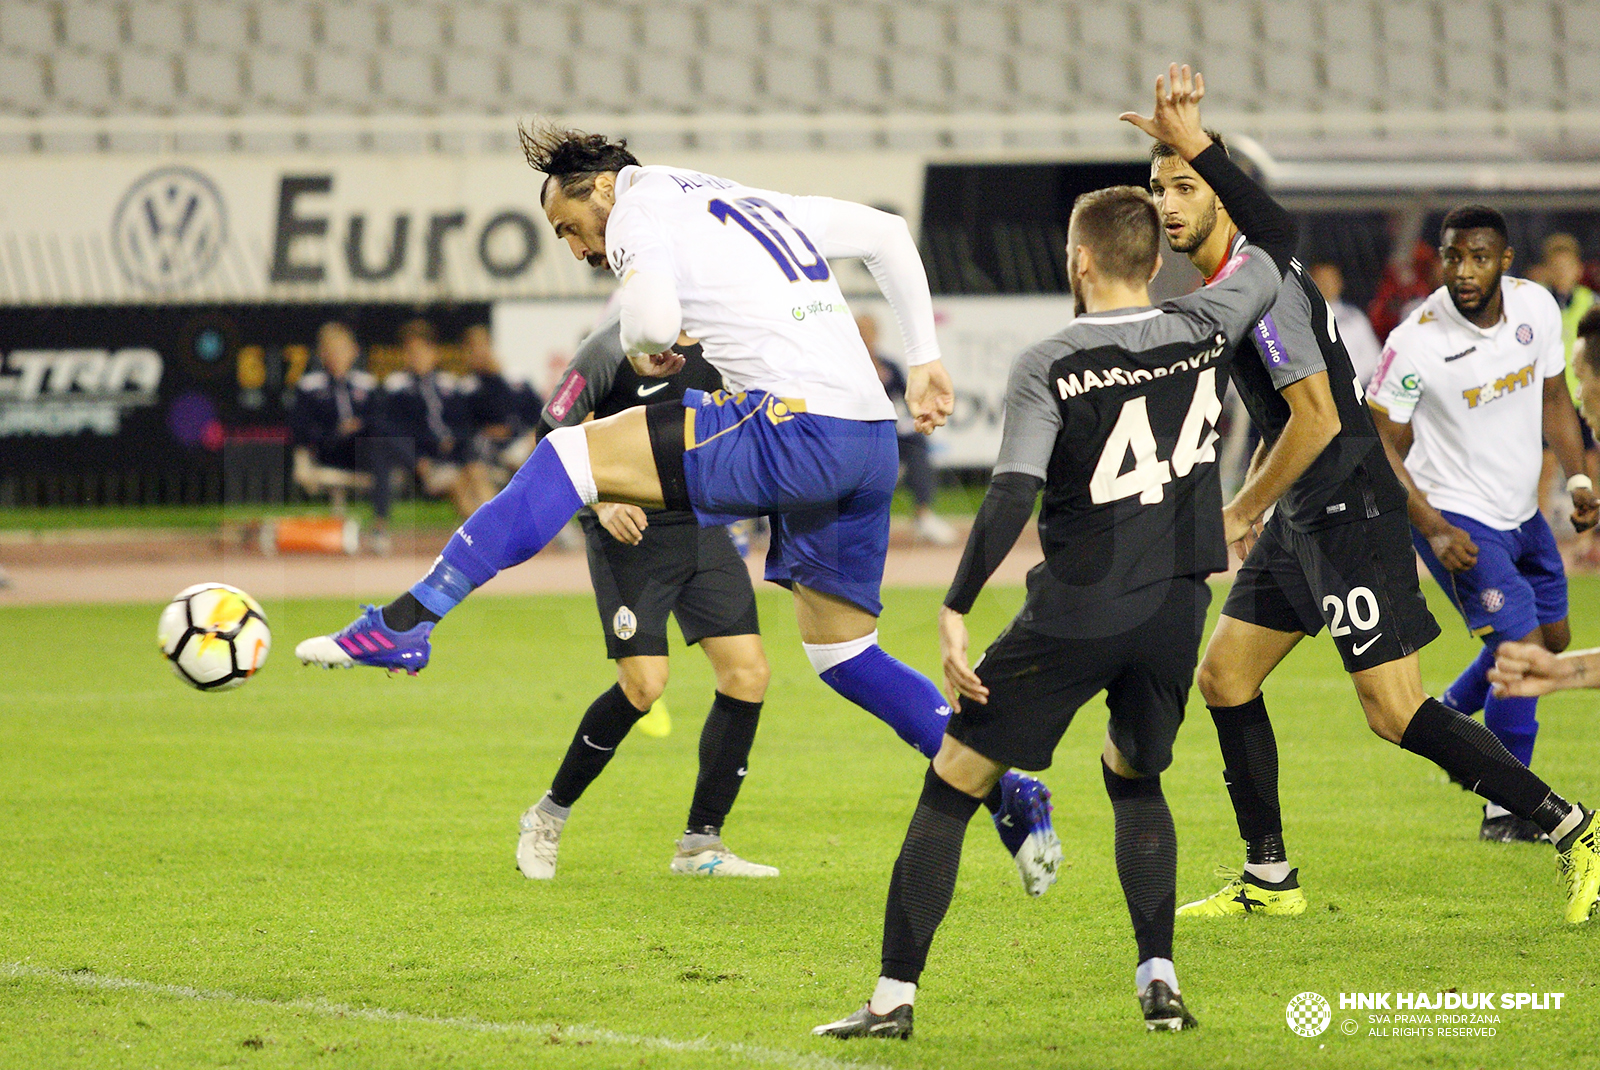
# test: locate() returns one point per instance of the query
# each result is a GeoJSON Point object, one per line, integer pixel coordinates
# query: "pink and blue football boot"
{"type": "Point", "coordinates": [1025, 828]}
{"type": "Point", "coordinates": [369, 641]}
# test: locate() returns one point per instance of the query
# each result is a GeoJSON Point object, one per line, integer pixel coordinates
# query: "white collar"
{"type": "Point", "coordinates": [1455, 315]}
{"type": "Point", "coordinates": [1124, 317]}
{"type": "Point", "coordinates": [627, 177]}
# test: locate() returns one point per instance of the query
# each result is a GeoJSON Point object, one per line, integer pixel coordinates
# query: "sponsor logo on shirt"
{"type": "Point", "coordinates": [1239, 260]}
{"type": "Point", "coordinates": [1458, 356]}
{"type": "Point", "coordinates": [1266, 333]}
{"type": "Point", "coordinates": [1525, 334]}
{"type": "Point", "coordinates": [571, 387]}
{"type": "Point", "coordinates": [1506, 384]}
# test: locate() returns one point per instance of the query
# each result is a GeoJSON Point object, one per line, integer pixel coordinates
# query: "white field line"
{"type": "Point", "coordinates": [578, 1033]}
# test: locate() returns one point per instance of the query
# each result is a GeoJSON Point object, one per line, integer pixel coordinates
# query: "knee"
{"type": "Point", "coordinates": [643, 684]}
{"type": "Point", "coordinates": [1220, 686]}
{"type": "Point", "coordinates": [746, 681]}
{"type": "Point", "coordinates": [1385, 720]}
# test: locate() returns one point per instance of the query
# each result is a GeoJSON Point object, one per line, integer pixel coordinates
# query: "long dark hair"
{"type": "Point", "coordinates": [572, 158]}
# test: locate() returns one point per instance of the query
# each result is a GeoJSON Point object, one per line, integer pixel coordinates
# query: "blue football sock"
{"type": "Point", "coordinates": [506, 530]}
{"type": "Point", "coordinates": [891, 691]}
{"type": "Point", "coordinates": [1513, 722]}
{"type": "Point", "coordinates": [1471, 688]}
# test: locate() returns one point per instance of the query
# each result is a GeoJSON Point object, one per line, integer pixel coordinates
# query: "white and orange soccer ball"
{"type": "Point", "coordinates": [215, 636]}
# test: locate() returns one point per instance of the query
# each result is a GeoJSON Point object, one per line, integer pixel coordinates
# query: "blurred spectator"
{"type": "Point", "coordinates": [504, 414]}
{"type": "Point", "coordinates": [1405, 283]}
{"type": "Point", "coordinates": [1354, 327]}
{"type": "Point", "coordinates": [1586, 363]}
{"type": "Point", "coordinates": [428, 419]}
{"type": "Point", "coordinates": [1560, 269]}
{"type": "Point", "coordinates": [913, 447]}
{"type": "Point", "coordinates": [331, 418]}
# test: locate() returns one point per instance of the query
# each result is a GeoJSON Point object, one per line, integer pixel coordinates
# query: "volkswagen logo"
{"type": "Point", "coordinates": [169, 229]}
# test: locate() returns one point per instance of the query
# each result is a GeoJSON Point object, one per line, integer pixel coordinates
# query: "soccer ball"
{"type": "Point", "coordinates": [215, 636]}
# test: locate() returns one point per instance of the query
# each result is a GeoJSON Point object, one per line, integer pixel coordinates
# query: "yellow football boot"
{"type": "Point", "coordinates": [1580, 866]}
{"type": "Point", "coordinates": [1245, 894]}
{"type": "Point", "coordinates": [657, 722]}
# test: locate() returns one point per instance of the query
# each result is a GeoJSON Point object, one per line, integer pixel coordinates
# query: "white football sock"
{"type": "Point", "coordinates": [1271, 872]}
{"type": "Point", "coordinates": [572, 447]}
{"type": "Point", "coordinates": [1494, 810]}
{"type": "Point", "coordinates": [891, 994]}
{"type": "Point", "coordinates": [1156, 970]}
{"type": "Point", "coordinates": [1573, 819]}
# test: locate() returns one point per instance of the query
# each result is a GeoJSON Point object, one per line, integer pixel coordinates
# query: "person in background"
{"type": "Point", "coordinates": [1561, 272]}
{"type": "Point", "coordinates": [332, 415]}
{"type": "Point", "coordinates": [1360, 341]}
{"type": "Point", "coordinates": [430, 416]}
{"type": "Point", "coordinates": [931, 528]}
{"type": "Point", "coordinates": [1406, 283]}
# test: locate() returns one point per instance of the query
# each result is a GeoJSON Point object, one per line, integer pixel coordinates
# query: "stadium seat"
{"type": "Point", "coordinates": [1412, 79]}
{"type": "Point", "coordinates": [736, 29]}
{"type": "Point", "coordinates": [82, 82]}
{"type": "Point", "coordinates": [670, 29]}
{"type": "Point", "coordinates": [853, 80]}
{"type": "Point", "coordinates": [286, 26]}
{"type": "Point", "coordinates": [407, 80]}
{"type": "Point", "coordinates": [1580, 24]}
{"type": "Point", "coordinates": [21, 84]}
{"type": "Point", "coordinates": [26, 27]}
{"type": "Point", "coordinates": [1044, 27]}
{"type": "Point", "coordinates": [157, 24]}
{"type": "Point", "coordinates": [1044, 81]}
{"type": "Point", "coordinates": [981, 82]}
{"type": "Point", "coordinates": [1528, 24]}
{"type": "Point", "coordinates": [1531, 80]}
{"type": "Point", "coordinates": [607, 28]}
{"type": "Point", "coordinates": [1408, 26]}
{"type": "Point", "coordinates": [917, 81]}
{"type": "Point", "coordinates": [666, 82]}
{"type": "Point", "coordinates": [1287, 25]}
{"type": "Point", "coordinates": [1102, 26]}
{"type": "Point", "coordinates": [1166, 25]}
{"type": "Point", "coordinates": [793, 83]}
{"type": "Point", "coordinates": [277, 79]}
{"type": "Point", "coordinates": [211, 80]}
{"type": "Point", "coordinates": [1231, 26]}
{"type": "Point", "coordinates": [474, 82]}
{"type": "Point", "coordinates": [94, 27]}
{"type": "Point", "coordinates": [858, 28]}
{"type": "Point", "coordinates": [1468, 24]}
{"type": "Point", "coordinates": [147, 80]}
{"type": "Point", "coordinates": [1354, 76]}
{"type": "Point", "coordinates": [1472, 76]}
{"type": "Point", "coordinates": [480, 27]}
{"type": "Point", "coordinates": [343, 79]}
{"type": "Point", "coordinates": [1231, 79]}
{"type": "Point", "coordinates": [1349, 22]}
{"type": "Point", "coordinates": [221, 26]}
{"type": "Point", "coordinates": [729, 83]}
{"type": "Point", "coordinates": [537, 81]}
{"type": "Point", "coordinates": [1290, 79]}
{"type": "Point", "coordinates": [982, 29]}
{"type": "Point", "coordinates": [919, 28]}
{"type": "Point", "coordinates": [1583, 82]}
{"type": "Point", "coordinates": [418, 28]}
{"type": "Point", "coordinates": [350, 26]}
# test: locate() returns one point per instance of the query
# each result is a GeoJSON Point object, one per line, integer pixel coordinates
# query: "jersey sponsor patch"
{"type": "Point", "coordinates": [1525, 334]}
{"type": "Point", "coordinates": [568, 393]}
{"type": "Point", "coordinates": [1238, 260]}
{"type": "Point", "coordinates": [1266, 333]}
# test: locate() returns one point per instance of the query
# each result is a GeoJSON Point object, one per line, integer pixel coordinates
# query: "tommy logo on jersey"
{"type": "Point", "coordinates": [1506, 384]}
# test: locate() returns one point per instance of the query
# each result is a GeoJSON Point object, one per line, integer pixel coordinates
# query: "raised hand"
{"type": "Point", "coordinates": [1176, 119]}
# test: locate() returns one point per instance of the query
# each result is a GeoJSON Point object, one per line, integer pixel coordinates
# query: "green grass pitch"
{"type": "Point", "coordinates": [317, 870]}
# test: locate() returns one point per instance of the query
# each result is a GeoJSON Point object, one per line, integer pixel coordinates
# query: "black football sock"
{"type": "Point", "coordinates": [725, 741]}
{"type": "Point", "coordinates": [1472, 755]}
{"type": "Point", "coordinates": [924, 877]}
{"type": "Point", "coordinates": [994, 800]}
{"type": "Point", "coordinates": [1250, 769]}
{"type": "Point", "coordinates": [405, 613]}
{"type": "Point", "coordinates": [605, 724]}
{"type": "Point", "coordinates": [1147, 859]}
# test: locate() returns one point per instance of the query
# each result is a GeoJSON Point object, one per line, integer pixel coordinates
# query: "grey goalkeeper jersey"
{"type": "Point", "coordinates": [1117, 414]}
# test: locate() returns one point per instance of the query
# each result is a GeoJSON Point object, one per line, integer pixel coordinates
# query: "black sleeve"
{"type": "Point", "coordinates": [1254, 211]}
{"type": "Point", "coordinates": [1002, 516]}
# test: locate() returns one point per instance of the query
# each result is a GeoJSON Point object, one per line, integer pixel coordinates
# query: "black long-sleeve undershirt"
{"type": "Point", "coordinates": [1264, 220]}
{"type": "Point", "coordinates": [1004, 513]}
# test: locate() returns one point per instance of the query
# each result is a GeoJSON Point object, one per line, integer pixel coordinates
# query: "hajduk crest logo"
{"type": "Point", "coordinates": [1308, 1014]}
{"type": "Point", "coordinates": [169, 229]}
{"type": "Point", "coordinates": [1492, 599]}
{"type": "Point", "coordinates": [1525, 334]}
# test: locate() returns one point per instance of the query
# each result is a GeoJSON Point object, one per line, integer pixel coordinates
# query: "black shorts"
{"type": "Point", "coordinates": [1037, 682]}
{"type": "Point", "coordinates": [691, 572]}
{"type": "Point", "coordinates": [1360, 579]}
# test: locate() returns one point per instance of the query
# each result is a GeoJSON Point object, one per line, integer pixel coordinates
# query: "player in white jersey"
{"type": "Point", "coordinates": [1469, 388]}
{"type": "Point", "coordinates": [804, 432]}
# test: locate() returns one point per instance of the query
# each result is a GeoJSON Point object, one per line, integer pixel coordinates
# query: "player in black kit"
{"type": "Point", "coordinates": [1336, 552]}
{"type": "Point", "coordinates": [645, 565]}
{"type": "Point", "coordinates": [1114, 418]}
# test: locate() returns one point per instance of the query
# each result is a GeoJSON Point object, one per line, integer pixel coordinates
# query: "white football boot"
{"type": "Point", "coordinates": [537, 845]}
{"type": "Point", "coordinates": [709, 858]}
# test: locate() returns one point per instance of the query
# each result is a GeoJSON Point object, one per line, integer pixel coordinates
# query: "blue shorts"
{"type": "Point", "coordinates": [1518, 583]}
{"type": "Point", "coordinates": [825, 482]}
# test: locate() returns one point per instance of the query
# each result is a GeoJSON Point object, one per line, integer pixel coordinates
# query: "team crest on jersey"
{"type": "Point", "coordinates": [1492, 599]}
{"type": "Point", "coordinates": [1525, 334]}
{"type": "Point", "coordinates": [624, 624]}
